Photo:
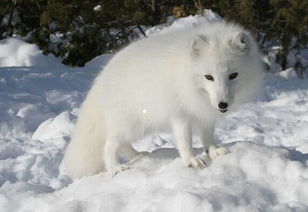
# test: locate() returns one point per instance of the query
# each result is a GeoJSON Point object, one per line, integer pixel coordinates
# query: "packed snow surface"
{"type": "Point", "coordinates": [267, 169]}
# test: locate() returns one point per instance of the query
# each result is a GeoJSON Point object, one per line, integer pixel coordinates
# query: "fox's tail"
{"type": "Point", "coordinates": [83, 155]}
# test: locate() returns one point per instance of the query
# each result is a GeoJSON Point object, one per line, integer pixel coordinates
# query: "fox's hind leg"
{"type": "Point", "coordinates": [111, 159]}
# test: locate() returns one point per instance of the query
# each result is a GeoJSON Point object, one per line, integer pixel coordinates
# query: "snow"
{"type": "Point", "coordinates": [97, 8]}
{"type": "Point", "coordinates": [267, 169]}
{"type": "Point", "coordinates": [14, 21]}
{"type": "Point", "coordinates": [15, 52]}
{"type": "Point", "coordinates": [174, 24]}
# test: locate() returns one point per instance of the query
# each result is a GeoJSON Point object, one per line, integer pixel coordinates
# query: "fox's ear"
{"type": "Point", "coordinates": [198, 43]}
{"type": "Point", "coordinates": [240, 42]}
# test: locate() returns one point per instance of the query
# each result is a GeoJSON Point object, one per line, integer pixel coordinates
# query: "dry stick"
{"type": "Point", "coordinates": [141, 30]}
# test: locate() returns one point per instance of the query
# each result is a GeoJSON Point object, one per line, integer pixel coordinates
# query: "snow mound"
{"type": "Point", "coordinates": [57, 127]}
{"type": "Point", "coordinates": [15, 52]}
{"type": "Point", "coordinates": [251, 177]}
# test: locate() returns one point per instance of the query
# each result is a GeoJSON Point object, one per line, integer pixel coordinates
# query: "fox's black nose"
{"type": "Point", "coordinates": [223, 105]}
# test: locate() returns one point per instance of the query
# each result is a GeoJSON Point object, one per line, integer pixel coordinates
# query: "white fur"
{"type": "Point", "coordinates": [164, 76]}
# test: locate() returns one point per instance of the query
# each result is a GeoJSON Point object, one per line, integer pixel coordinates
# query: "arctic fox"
{"type": "Point", "coordinates": [173, 81]}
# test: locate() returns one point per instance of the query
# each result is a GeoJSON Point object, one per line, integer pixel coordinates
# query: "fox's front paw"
{"type": "Point", "coordinates": [215, 152]}
{"type": "Point", "coordinates": [195, 162]}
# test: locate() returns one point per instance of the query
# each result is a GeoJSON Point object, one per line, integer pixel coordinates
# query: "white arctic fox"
{"type": "Point", "coordinates": [173, 81]}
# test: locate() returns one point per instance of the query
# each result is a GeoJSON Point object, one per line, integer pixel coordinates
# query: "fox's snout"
{"type": "Point", "coordinates": [223, 107]}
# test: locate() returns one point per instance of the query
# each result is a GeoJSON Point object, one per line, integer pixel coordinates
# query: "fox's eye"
{"type": "Point", "coordinates": [209, 77]}
{"type": "Point", "coordinates": [233, 76]}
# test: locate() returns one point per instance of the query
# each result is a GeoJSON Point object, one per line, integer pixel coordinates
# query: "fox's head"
{"type": "Point", "coordinates": [221, 64]}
